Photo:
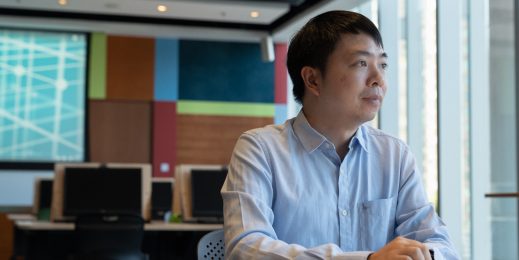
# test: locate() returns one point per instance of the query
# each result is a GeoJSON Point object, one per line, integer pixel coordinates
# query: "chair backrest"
{"type": "Point", "coordinates": [211, 246]}
{"type": "Point", "coordinates": [118, 234]}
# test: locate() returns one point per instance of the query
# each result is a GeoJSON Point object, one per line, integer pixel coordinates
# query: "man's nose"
{"type": "Point", "coordinates": [377, 78]}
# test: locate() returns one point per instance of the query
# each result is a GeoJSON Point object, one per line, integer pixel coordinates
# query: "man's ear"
{"type": "Point", "coordinates": [311, 77]}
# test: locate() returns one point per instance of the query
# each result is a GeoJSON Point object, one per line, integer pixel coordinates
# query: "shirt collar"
{"type": "Point", "coordinates": [311, 139]}
{"type": "Point", "coordinates": [360, 138]}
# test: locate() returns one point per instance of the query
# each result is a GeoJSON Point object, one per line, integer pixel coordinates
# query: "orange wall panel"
{"type": "Point", "coordinates": [130, 68]}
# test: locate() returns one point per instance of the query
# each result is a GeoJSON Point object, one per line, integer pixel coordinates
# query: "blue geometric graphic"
{"type": "Point", "coordinates": [42, 96]}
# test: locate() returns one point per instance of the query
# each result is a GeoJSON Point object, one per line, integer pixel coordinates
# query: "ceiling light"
{"type": "Point", "coordinates": [62, 2]}
{"type": "Point", "coordinates": [162, 8]}
{"type": "Point", "coordinates": [254, 14]}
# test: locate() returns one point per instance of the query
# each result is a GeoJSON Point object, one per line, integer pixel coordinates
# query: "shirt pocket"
{"type": "Point", "coordinates": [377, 223]}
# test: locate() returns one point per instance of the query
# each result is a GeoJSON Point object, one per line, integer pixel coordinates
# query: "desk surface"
{"type": "Point", "coordinates": [15, 217]}
{"type": "Point", "coordinates": [26, 222]}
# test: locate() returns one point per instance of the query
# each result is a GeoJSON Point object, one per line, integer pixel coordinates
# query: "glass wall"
{"type": "Point", "coordinates": [503, 129]}
{"type": "Point", "coordinates": [422, 90]}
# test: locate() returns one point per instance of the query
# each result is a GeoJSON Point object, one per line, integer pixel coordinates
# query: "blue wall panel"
{"type": "Point", "coordinates": [281, 114]}
{"type": "Point", "coordinates": [223, 71]}
{"type": "Point", "coordinates": [166, 70]}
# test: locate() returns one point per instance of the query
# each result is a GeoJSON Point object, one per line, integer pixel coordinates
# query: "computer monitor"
{"type": "Point", "coordinates": [42, 198]}
{"type": "Point", "coordinates": [45, 194]}
{"type": "Point", "coordinates": [207, 203]}
{"type": "Point", "coordinates": [161, 197]}
{"type": "Point", "coordinates": [102, 190]}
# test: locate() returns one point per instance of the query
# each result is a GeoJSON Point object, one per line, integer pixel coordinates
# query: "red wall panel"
{"type": "Point", "coordinates": [280, 74]}
{"type": "Point", "coordinates": [164, 138]}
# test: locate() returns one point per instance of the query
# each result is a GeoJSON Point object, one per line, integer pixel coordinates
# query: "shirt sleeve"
{"type": "Point", "coordinates": [247, 197]}
{"type": "Point", "coordinates": [416, 218]}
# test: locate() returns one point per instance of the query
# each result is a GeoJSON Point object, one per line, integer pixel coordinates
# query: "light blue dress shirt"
{"type": "Point", "coordinates": [288, 195]}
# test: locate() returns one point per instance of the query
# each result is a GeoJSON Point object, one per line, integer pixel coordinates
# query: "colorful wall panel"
{"type": "Point", "coordinates": [281, 114]}
{"type": "Point", "coordinates": [222, 71]}
{"type": "Point", "coordinates": [130, 68]}
{"type": "Point", "coordinates": [97, 66]}
{"type": "Point", "coordinates": [164, 138]}
{"type": "Point", "coordinates": [226, 108]}
{"type": "Point", "coordinates": [166, 70]}
{"type": "Point", "coordinates": [120, 131]}
{"type": "Point", "coordinates": [280, 74]}
{"type": "Point", "coordinates": [210, 139]}
{"type": "Point", "coordinates": [203, 95]}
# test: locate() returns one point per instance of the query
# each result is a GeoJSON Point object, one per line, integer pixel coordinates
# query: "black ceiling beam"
{"type": "Point", "coordinates": [293, 11]}
{"type": "Point", "coordinates": [128, 19]}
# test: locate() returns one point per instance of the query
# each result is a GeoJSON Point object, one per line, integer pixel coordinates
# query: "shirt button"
{"type": "Point", "coordinates": [344, 212]}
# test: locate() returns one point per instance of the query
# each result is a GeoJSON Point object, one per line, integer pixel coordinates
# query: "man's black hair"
{"type": "Point", "coordinates": [314, 43]}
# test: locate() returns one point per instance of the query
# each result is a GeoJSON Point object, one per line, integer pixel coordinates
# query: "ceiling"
{"type": "Point", "coordinates": [212, 19]}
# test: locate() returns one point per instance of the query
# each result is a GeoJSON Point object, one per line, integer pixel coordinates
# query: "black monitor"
{"type": "Point", "coordinates": [102, 190]}
{"type": "Point", "coordinates": [42, 198]}
{"type": "Point", "coordinates": [45, 196]}
{"type": "Point", "coordinates": [206, 198]}
{"type": "Point", "coordinates": [161, 198]}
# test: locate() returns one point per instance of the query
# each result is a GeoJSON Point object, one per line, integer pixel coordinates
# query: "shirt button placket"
{"type": "Point", "coordinates": [344, 220]}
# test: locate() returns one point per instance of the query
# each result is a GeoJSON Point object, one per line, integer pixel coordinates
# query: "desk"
{"type": "Point", "coordinates": [15, 217]}
{"type": "Point", "coordinates": [37, 239]}
{"type": "Point", "coordinates": [34, 225]}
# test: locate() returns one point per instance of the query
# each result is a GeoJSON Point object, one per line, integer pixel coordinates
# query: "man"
{"type": "Point", "coordinates": [324, 185]}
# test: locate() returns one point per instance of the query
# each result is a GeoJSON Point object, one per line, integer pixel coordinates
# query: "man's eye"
{"type": "Point", "coordinates": [363, 63]}
{"type": "Point", "coordinates": [383, 65]}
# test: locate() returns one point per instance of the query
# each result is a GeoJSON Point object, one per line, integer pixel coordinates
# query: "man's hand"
{"type": "Point", "coordinates": [402, 248]}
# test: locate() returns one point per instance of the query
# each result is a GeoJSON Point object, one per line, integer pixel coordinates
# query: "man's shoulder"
{"type": "Point", "coordinates": [379, 136]}
{"type": "Point", "coordinates": [270, 131]}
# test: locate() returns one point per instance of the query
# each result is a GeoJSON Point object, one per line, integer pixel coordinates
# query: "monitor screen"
{"type": "Point", "coordinates": [205, 188]}
{"type": "Point", "coordinates": [45, 197]}
{"type": "Point", "coordinates": [42, 96]}
{"type": "Point", "coordinates": [161, 198]}
{"type": "Point", "coordinates": [102, 190]}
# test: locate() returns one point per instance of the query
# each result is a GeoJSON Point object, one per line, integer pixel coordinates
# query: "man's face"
{"type": "Point", "coordinates": [353, 85]}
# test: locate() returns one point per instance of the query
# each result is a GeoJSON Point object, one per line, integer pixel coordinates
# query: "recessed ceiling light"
{"type": "Point", "coordinates": [162, 8]}
{"type": "Point", "coordinates": [254, 14]}
{"type": "Point", "coordinates": [62, 2]}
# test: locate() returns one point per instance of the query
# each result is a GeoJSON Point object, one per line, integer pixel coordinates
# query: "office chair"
{"type": "Point", "coordinates": [211, 246]}
{"type": "Point", "coordinates": [109, 237]}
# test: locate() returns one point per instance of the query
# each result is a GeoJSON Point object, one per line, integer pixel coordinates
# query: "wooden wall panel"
{"type": "Point", "coordinates": [120, 131]}
{"type": "Point", "coordinates": [130, 68]}
{"type": "Point", "coordinates": [211, 139]}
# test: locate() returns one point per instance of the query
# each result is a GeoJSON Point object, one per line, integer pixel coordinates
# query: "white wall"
{"type": "Point", "coordinates": [16, 187]}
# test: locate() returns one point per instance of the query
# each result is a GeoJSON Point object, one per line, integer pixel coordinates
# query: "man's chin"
{"type": "Point", "coordinates": [370, 116]}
